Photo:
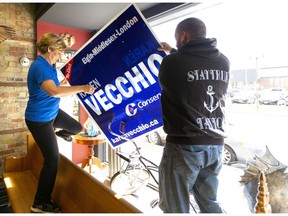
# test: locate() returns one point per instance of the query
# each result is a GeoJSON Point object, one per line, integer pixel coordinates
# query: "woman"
{"type": "Point", "coordinates": [43, 115]}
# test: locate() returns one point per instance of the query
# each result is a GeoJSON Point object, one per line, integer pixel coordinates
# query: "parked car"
{"type": "Point", "coordinates": [233, 92]}
{"type": "Point", "coordinates": [236, 148]}
{"type": "Point", "coordinates": [286, 100]}
{"type": "Point", "coordinates": [240, 148]}
{"type": "Point", "coordinates": [244, 97]}
{"type": "Point", "coordinates": [274, 96]}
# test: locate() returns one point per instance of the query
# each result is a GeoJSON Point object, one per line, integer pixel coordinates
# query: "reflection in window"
{"type": "Point", "coordinates": [252, 35]}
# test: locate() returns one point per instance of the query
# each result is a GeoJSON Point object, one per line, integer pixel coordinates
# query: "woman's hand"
{"type": "Point", "coordinates": [89, 89]}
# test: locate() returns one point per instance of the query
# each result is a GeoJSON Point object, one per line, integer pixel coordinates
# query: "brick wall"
{"type": "Point", "coordinates": [13, 77]}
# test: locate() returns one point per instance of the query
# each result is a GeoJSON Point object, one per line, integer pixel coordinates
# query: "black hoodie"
{"type": "Point", "coordinates": [194, 82]}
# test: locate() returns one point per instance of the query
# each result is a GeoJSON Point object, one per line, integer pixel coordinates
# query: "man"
{"type": "Point", "coordinates": [194, 82]}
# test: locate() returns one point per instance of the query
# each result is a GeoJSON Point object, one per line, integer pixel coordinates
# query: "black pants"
{"type": "Point", "coordinates": [43, 134]}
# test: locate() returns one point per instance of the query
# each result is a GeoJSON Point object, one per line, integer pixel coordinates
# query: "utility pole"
{"type": "Point", "coordinates": [257, 84]}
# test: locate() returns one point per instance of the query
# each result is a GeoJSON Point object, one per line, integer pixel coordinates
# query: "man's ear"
{"type": "Point", "coordinates": [186, 37]}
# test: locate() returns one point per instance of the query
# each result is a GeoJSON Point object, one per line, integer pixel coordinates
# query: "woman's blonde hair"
{"type": "Point", "coordinates": [52, 41]}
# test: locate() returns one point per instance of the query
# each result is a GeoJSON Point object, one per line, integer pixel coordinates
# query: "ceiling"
{"type": "Point", "coordinates": [93, 16]}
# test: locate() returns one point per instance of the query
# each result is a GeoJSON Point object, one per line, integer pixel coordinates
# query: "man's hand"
{"type": "Point", "coordinates": [164, 47]}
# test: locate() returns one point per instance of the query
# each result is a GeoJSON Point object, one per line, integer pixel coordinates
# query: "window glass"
{"type": "Point", "coordinates": [252, 34]}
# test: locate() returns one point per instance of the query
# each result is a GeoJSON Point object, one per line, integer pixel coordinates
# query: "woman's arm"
{"type": "Point", "coordinates": [62, 91]}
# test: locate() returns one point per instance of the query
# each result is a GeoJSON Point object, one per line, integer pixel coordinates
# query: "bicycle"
{"type": "Point", "coordinates": [135, 172]}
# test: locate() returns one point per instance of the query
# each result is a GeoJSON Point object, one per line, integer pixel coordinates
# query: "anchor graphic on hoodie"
{"type": "Point", "coordinates": [210, 92]}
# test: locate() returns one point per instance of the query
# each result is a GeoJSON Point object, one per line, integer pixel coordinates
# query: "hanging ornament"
{"type": "Point", "coordinates": [68, 39]}
{"type": "Point", "coordinates": [6, 33]}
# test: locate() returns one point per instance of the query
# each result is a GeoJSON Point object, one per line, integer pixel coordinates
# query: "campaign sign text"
{"type": "Point", "coordinates": [121, 61]}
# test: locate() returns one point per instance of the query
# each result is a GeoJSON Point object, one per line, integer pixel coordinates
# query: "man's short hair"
{"type": "Point", "coordinates": [193, 26]}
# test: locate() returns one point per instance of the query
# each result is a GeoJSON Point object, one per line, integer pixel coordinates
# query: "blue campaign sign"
{"type": "Point", "coordinates": [121, 61]}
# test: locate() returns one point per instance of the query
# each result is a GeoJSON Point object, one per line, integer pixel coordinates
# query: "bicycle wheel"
{"type": "Point", "coordinates": [128, 182]}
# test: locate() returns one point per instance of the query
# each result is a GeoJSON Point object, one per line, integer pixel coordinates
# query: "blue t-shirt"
{"type": "Point", "coordinates": [41, 107]}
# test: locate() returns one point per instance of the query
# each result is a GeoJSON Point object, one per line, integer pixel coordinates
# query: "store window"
{"type": "Point", "coordinates": [252, 35]}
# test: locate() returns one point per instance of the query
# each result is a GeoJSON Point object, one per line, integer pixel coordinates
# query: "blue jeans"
{"type": "Point", "coordinates": [189, 168]}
